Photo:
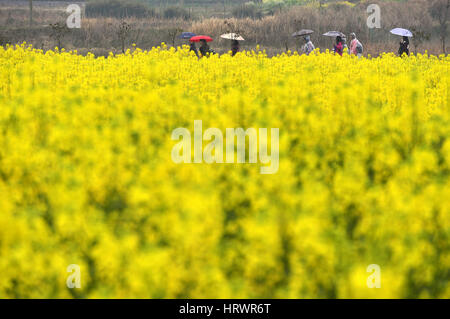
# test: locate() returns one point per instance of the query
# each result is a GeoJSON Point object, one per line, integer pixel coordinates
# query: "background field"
{"type": "Point", "coordinates": [268, 24]}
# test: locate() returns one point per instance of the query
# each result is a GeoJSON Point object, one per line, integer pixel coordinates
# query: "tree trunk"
{"type": "Point", "coordinates": [31, 12]}
{"type": "Point", "coordinates": [444, 49]}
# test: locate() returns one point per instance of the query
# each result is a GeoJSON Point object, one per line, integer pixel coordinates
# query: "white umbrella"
{"type": "Point", "coordinates": [334, 34]}
{"type": "Point", "coordinates": [302, 33]}
{"type": "Point", "coordinates": [232, 36]}
{"type": "Point", "coordinates": [402, 32]}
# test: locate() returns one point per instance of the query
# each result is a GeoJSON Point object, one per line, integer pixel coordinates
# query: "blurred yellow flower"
{"type": "Point", "coordinates": [86, 175]}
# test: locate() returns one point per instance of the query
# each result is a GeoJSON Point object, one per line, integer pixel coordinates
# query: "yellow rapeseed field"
{"type": "Point", "coordinates": [86, 176]}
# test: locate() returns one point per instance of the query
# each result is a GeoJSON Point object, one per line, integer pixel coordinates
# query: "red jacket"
{"type": "Point", "coordinates": [339, 48]}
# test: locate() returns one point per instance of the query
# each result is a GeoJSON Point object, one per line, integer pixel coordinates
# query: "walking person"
{"type": "Point", "coordinates": [404, 46]}
{"type": "Point", "coordinates": [234, 47]}
{"type": "Point", "coordinates": [204, 48]}
{"type": "Point", "coordinates": [309, 46]}
{"type": "Point", "coordinates": [193, 47]}
{"type": "Point", "coordinates": [344, 45]}
{"type": "Point", "coordinates": [339, 46]}
{"type": "Point", "coordinates": [356, 47]}
{"type": "Point", "coordinates": [235, 38]}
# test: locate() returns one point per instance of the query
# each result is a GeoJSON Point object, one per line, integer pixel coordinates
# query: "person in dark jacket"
{"type": "Point", "coordinates": [193, 47]}
{"type": "Point", "coordinates": [234, 47]}
{"type": "Point", "coordinates": [404, 46]}
{"type": "Point", "coordinates": [204, 48]}
{"type": "Point", "coordinates": [339, 46]}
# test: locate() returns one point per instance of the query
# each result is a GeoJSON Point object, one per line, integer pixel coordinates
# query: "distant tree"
{"type": "Point", "coordinates": [58, 32]}
{"type": "Point", "coordinates": [123, 31]}
{"type": "Point", "coordinates": [419, 37]}
{"type": "Point", "coordinates": [173, 32]}
{"type": "Point", "coordinates": [232, 27]}
{"type": "Point", "coordinates": [440, 11]}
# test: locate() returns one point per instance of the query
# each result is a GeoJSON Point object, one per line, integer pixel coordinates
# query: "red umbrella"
{"type": "Point", "coordinates": [197, 38]}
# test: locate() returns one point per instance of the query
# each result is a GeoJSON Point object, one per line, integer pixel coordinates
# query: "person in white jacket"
{"type": "Point", "coordinates": [356, 47]}
{"type": "Point", "coordinates": [309, 46]}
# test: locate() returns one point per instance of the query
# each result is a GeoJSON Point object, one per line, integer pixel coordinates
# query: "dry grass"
{"type": "Point", "coordinates": [99, 35]}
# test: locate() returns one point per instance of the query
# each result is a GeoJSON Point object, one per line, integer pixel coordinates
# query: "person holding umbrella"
{"type": "Point", "coordinates": [235, 38]}
{"type": "Point", "coordinates": [344, 45]}
{"type": "Point", "coordinates": [339, 46]}
{"type": "Point", "coordinates": [193, 47]}
{"type": "Point", "coordinates": [204, 48]}
{"type": "Point", "coordinates": [309, 46]}
{"type": "Point", "coordinates": [234, 47]}
{"type": "Point", "coordinates": [188, 36]}
{"type": "Point", "coordinates": [404, 46]}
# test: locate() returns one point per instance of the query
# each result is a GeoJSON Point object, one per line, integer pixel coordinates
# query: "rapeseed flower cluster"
{"type": "Point", "coordinates": [86, 176]}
